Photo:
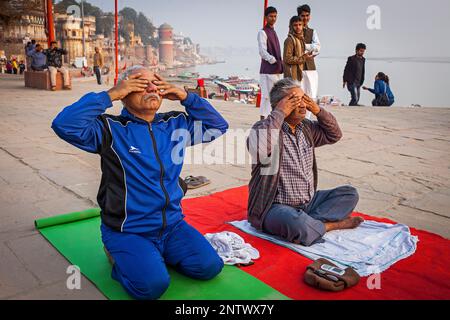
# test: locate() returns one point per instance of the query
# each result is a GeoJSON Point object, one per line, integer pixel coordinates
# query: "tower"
{"type": "Point", "coordinates": [166, 45]}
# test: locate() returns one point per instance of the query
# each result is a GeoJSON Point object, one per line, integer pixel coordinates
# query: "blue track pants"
{"type": "Point", "coordinates": [140, 259]}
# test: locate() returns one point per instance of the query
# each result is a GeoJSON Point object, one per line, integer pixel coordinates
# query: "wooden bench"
{"type": "Point", "coordinates": [41, 80]}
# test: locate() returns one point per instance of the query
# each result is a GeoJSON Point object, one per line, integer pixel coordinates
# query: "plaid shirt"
{"type": "Point", "coordinates": [263, 187]}
{"type": "Point", "coordinates": [296, 184]}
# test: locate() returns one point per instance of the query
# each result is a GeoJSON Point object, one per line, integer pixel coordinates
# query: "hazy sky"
{"type": "Point", "coordinates": [409, 28]}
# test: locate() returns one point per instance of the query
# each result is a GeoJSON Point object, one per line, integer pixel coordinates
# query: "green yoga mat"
{"type": "Point", "coordinates": [77, 237]}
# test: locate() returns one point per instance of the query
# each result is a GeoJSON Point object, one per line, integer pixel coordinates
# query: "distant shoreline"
{"type": "Point", "coordinates": [399, 59]}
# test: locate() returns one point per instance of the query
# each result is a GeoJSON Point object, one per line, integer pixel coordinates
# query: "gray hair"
{"type": "Point", "coordinates": [128, 72]}
{"type": "Point", "coordinates": [280, 89]}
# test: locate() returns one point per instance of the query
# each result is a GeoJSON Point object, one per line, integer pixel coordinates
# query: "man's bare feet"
{"type": "Point", "coordinates": [348, 223]}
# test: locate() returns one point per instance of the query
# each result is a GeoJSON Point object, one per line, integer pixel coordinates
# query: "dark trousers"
{"type": "Point", "coordinates": [98, 74]}
{"type": "Point", "coordinates": [355, 92]}
{"type": "Point", "coordinates": [306, 226]}
{"type": "Point", "coordinates": [40, 68]}
{"type": "Point", "coordinates": [375, 103]}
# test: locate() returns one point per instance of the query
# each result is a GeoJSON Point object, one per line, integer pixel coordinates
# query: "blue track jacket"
{"type": "Point", "coordinates": [140, 161]}
{"type": "Point", "coordinates": [380, 87]}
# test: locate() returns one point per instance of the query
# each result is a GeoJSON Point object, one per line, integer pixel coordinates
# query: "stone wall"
{"type": "Point", "coordinates": [21, 21]}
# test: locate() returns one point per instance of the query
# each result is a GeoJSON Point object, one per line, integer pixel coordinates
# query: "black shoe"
{"type": "Point", "coordinates": [196, 182]}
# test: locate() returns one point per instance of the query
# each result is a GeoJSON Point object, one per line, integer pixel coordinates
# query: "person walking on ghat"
{"type": "Point", "coordinates": [271, 69]}
{"type": "Point", "coordinates": [354, 74]}
{"type": "Point", "coordinates": [98, 64]}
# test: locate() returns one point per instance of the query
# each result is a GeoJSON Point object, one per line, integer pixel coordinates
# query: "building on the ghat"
{"type": "Point", "coordinates": [166, 49]}
{"type": "Point", "coordinates": [69, 35]}
{"type": "Point", "coordinates": [186, 53]}
{"type": "Point", "coordinates": [21, 21]}
{"type": "Point", "coordinates": [24, 20]}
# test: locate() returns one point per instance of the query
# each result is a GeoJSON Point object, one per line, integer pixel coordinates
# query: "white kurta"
{"type": "Point", "coordinates": [266, 80]}
{"type": "Point", "coordinates": [310, 85]}
{"type": "Point", "coordinates": [310, 79]}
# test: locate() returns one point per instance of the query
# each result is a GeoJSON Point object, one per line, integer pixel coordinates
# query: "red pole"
{"type": "Point", "coordinates": [116, 40]}
{"type": "Point", "coordinates": [50, 25]}
{"type": "Point", "coordinates": [265, 7]}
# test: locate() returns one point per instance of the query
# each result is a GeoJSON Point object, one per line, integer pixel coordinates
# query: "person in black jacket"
{"type": "Point", "coordinates": [55, 64]}
{"type": "Point", "coordinates": [354, 73]}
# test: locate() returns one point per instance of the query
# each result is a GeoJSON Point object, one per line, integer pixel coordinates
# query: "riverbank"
{"type": "Point", "coordinates": [397, 158]}
{"type": "Point", "coordinates": [402, 73]}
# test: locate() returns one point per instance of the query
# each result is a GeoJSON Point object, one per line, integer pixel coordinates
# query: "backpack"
{"type": "Point", "coordinates": [382, 100]}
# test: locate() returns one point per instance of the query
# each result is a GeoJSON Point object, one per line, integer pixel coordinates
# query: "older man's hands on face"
{"type": "Point", "coordinates": [125, 87]}
{"type": "Point", "coordinates": [168, 90]}
{"type": "Point", "coordinates": [289, 104]}
{"type": "Point", "coordinates": [311, 105]}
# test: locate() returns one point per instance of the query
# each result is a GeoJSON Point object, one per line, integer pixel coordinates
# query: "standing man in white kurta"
{"type": "Point", "coordinates": [271, 60]}
{"type": "Point", "coordinates": [310, 80]}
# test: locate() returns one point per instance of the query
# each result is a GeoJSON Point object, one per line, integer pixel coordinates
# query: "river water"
{"type": "Point", "coordinates": [424, 81]}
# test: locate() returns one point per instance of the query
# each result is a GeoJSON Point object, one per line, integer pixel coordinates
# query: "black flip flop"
{"type": "Point", "coordinates": [196, 182]}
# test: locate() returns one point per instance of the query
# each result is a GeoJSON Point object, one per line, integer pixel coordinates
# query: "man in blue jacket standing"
{"type": "Point", "coordinates": [139, 195]}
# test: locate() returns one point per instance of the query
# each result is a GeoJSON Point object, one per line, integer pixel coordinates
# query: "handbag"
{"type": "Point", "coordinates": [325, 275]}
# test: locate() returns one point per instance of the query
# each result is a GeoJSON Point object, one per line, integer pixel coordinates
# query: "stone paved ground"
{"type": "Point", "coordinates": [398, 158]}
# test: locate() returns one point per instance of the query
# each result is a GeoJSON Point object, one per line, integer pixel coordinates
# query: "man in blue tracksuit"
{"type": "Point", "coordinates": [141, 159]}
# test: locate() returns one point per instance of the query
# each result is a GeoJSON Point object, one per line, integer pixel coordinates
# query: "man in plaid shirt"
{"type": "Point", "coordinates": [283, 196]}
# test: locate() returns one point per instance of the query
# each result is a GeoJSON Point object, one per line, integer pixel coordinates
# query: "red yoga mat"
{"type": "Point", "coordinates": [424, 275]}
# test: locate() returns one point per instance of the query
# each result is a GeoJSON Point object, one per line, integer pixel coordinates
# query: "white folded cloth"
{"type": "Point", "coordinates": [232, 248]}
{"type": "Point", "coordinates": [371, 248]}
